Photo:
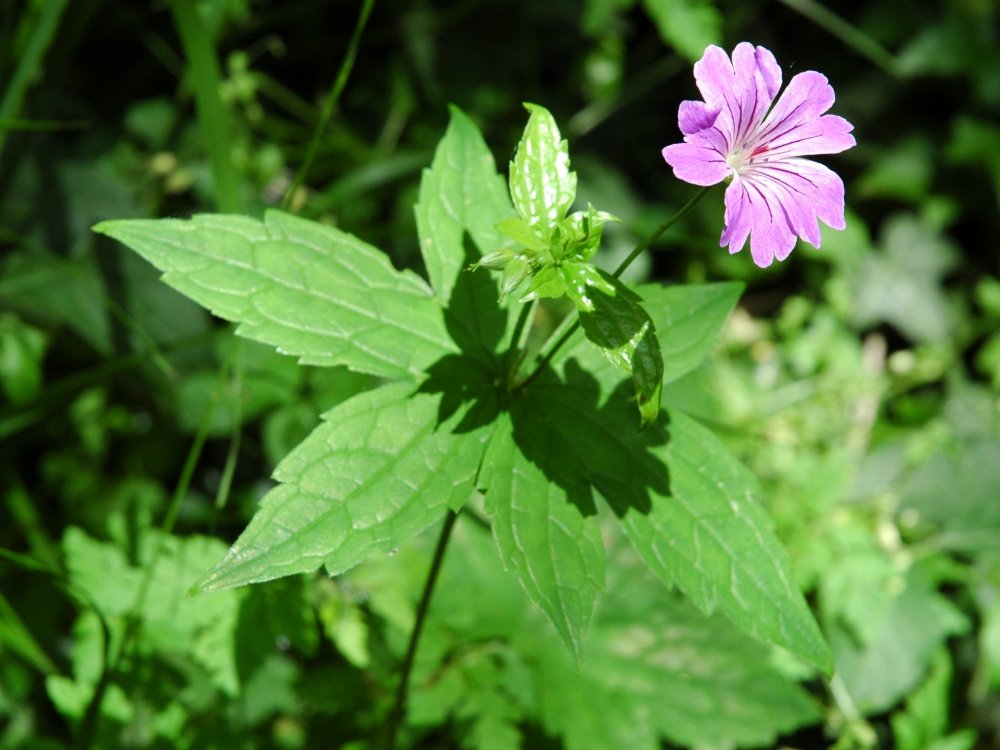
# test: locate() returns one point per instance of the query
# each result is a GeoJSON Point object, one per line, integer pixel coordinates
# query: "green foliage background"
{"type": "Point", "coordinates": [860, 382]}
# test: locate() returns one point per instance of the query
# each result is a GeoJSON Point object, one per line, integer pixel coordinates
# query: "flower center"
{"type": "Point", "coordinates": [740, 159]}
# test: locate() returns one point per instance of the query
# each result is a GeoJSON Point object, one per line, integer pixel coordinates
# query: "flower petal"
{"type": "Point", "coordinates": [821, 187]}
{"type": "Point", "coordinates": [714, 75]}
{"type": "Point", "coordinates": [769, 71]}
{"type": "Point", "coordinates": [797, 127]}
{"type": "Point", "coordinates": [756, 73]}
{"type": "Point", "coordinates": [693, 117]}
{"type": "Point", "coordinates": [697, 161]}
{"type": "Point", "coordinates": [753, 208]}
{"type": "Point", "coordinates": [797, 193]}
{"type": "Point", "coordinates": [771, 236]}
{"type": "Point", "coordinates": [739, 217]}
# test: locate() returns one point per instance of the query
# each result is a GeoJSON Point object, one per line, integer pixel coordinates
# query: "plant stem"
{"type": "Point", "coordinates": [510, 360]}
{"type": "Point", "coordinates": [399, 704]}
{"type": "Point", "coordinates": [213, 114]}
{"type": "Point", "coordinates": [636, 252]}
{"type": "Point", "coordinates": [852, 36]}
{"type": "Point", "coordinates": [644, 245]}
{"type": "Point", "coordinates": [330, 103]}
{"type": "Point", "coordinates": [39, 29]}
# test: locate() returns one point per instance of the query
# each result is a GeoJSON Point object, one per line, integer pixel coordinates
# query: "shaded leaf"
{"type": "Point", "coordinates": [902, 284]}
{"type": "Point", "coordinates": [654, 667]}
{"type": "Point", "coordinates": [621, 328]}
{"type": "Point", "coordinates": [172, 622]}
{"type": "Point", "coordinates": [646, 644]}
{"type": "Point", "coordinates": [22, 348]}
{"type": "Point", "coordinates": [917, 623]}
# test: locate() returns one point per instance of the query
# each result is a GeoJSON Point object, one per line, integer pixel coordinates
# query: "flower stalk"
{"type": "Point", "coordinates": [399, 703]}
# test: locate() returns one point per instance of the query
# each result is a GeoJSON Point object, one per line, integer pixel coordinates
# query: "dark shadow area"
{"type": "Point", "coordinates": [476, 323]}
{"type": "Point", "coordinates": [461, 379]}
{"type": "Point", "coordinates": [582, 445]}
{"type": "Point", "coordinates": [559, 423]}
{"type": "Point", "coordinates": [613, 323]}
{"type": "Point", "coordinates": [473, 317]}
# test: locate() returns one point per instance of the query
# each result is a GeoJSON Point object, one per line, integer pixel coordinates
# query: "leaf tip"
{"type": "Point", "coordinates": [106, 228]}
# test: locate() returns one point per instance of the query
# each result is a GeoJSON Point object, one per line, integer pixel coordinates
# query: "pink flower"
{"type": "Point", "coordinates": [775, 195]}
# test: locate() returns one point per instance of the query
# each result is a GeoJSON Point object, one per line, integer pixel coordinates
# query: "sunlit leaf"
{"type": "Point", "coordinates": [688, 506]}
{"type": "Point", "coordinates": [543, 537]}
{"type": "Point", "coordinates": [461, 192]}
{"type": "Point", "coordinates": [688, 321]}
{"type": "Point", "coordinates": [378, 471]}
{"type": "Point", "coordinates": [541, 183]}
{"type": "Point", "coordinates": [309, 290]}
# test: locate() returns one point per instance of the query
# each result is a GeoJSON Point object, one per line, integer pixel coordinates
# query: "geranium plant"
{"type": "Point", "coordinates": [547, 444]}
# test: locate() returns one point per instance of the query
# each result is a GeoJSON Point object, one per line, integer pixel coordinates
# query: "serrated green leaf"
{"type": "Point", "coordinates": [688, 321]}
{"type": "Point", "coordinates": [461, 191]}
{"type": "Point", "coordinates": [541, 183]}
{"type": "Point", "coordinates": [686, 504]}
{"type": "Point", "coordinates": [379, 470]}
{"type": "Point", "coordinates": [644, 643]}
{"type": "Point", "coordinates": [709, 536]}
{"type": "Point", "coordinates": [623, 331]}
{"type": "Point", "coordinates": [547, 540]}
{"type": "Point", "coordinates": [462, 194]}
{"type": "Point", "coordinates": [309, 290]}
{"type": "Point", "coordinates": [686, 25]}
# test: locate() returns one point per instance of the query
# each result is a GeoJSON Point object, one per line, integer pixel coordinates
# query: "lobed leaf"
{"type": "Point", "coordinates": [381, 468]}
{"type": "Point", "coordinates": [171, 621]}
{"type": "Point", "coordinates": [918, 622]}
{"type": "Point", "coordinates": [307, 289]}
{"type": "Point", "coordinates": [709, 536]}
{"type": "Point", "coordinates": [686, 504]}
{"type": "Point", "coordinates": [460, 192]}
{"type": "Point", "coordinates": [541, 183]}
{"type": "Point", "coordinates": [554, 549]}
